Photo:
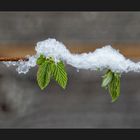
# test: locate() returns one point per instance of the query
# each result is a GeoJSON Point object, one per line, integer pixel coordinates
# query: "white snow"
{"type": "Point", "coordinates": [102, 58]}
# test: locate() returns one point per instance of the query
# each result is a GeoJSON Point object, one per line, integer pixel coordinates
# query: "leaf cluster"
{"type": "Point", "coordinates": [111, 81]}
{"type": "Point", "coordinates": [48, 70]}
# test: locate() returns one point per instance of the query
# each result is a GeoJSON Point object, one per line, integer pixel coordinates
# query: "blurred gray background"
{"type": "Point", "coordinates": [70, 26]}
{"type": "Point", "coordinates": [84, 104]}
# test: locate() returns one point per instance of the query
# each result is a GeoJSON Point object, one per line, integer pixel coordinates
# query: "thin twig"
{"type": "Point", "coordinates": [13, 58]}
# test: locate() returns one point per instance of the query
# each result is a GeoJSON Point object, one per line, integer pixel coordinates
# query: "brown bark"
{"type": "Point", "coordinates": [13, 58]}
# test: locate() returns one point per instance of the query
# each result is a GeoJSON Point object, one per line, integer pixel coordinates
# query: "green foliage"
{"type": "Point", "coordinates": [43, 75]}
{"type": "Point", "coordinates": [114, 87]}
{"type": "Point", "coordinates": [60, 74]}
{"type": "Point", "coordinates": [48, 69]}
{"type": "Point", "coordinates": [111, 81]}
{"type": "Point", "coordinates": [107, 78]}
{"type": "Point", "coordinates": [40, 60]}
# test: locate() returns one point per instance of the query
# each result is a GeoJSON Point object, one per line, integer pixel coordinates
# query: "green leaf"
{"type": "Point", "coordinates": [44, 75]}
{"type": "Point", "coordinates": [41, 59]}
{"type": "Point", "coordinates": [52, 67]}
{"type": "Point", "coordinates": [60, 74]}
{"type": "Point", "coordinates": [107, 79]}
{"type": "Point", "coordinates": [111, 81]}
{"type": "Point", "coordinates": [114, 87]}
{"type": "Point", "coordinates": [48, 69]}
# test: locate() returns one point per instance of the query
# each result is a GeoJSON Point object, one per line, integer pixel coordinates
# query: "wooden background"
{"type": "Point", "coordinates": [84, 104]}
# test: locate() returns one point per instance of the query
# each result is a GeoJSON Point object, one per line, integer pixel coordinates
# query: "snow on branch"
{"type": "Point", "coordinates": [51, 55]}
{"type": "Point", "coordinates": [102, 58]}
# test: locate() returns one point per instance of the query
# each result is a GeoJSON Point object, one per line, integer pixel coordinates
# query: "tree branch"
{"type": "Point", "coordinates": [13, 58]}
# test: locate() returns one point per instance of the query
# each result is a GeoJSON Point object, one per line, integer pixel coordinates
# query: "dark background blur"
{"type": "Point", "coordinates": [70, 26]}
{"type": "Point", "coordinates": [84, 104]}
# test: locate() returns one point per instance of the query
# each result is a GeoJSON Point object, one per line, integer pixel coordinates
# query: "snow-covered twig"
{"type": "Point", "coordinates": [51, 55]}
{"type": "Point", "coordinates": [102, 58]}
